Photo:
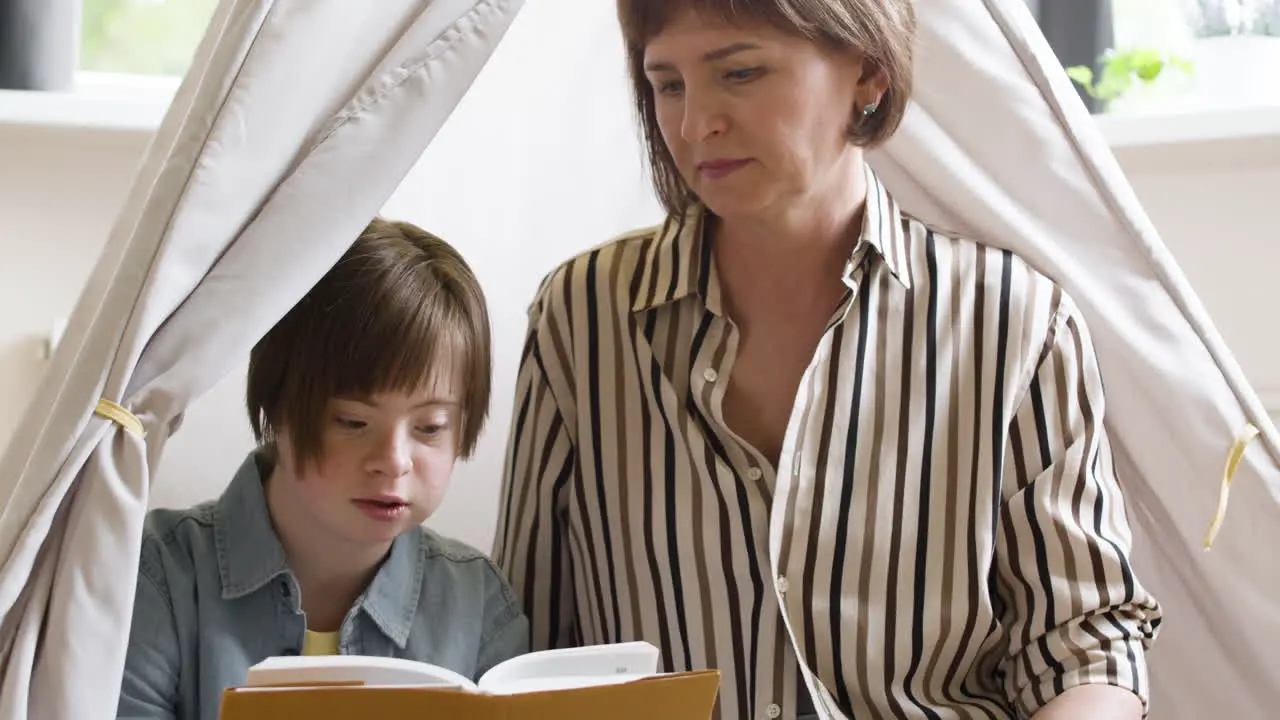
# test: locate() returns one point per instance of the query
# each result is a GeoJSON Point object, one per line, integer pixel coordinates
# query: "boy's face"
{"type": "Point", "coordinates": [385, 465]}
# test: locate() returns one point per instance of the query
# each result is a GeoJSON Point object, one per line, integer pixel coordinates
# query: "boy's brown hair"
{"type": "Point", "coordinates": [401, 309]}
{"type": "Point", "coordinates": [883, 31]}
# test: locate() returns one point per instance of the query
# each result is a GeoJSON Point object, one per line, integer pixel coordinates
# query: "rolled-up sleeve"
{"type": "Point", "coordinates": [1072, 606]}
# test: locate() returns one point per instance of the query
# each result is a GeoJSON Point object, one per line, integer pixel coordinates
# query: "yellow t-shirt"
{"type": "Point", "coordinates": [320, 643]}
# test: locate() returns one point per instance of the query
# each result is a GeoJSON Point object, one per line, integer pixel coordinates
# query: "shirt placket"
{"type": "Point", "coordinates": [781, 518]}
{"type": "Point", "coordinates": [708, 381]}
{"type": "Point", "coordinates": [710, 373]}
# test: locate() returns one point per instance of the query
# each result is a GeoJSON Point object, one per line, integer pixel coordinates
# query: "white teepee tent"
{"type": "Point", "coordinates": [261, 174]}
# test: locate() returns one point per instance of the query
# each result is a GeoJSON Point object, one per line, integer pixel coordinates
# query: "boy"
{"type": "Point", "coordinates": [362, 397]}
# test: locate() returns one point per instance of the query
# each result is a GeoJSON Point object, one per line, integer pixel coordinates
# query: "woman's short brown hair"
{"type": "Point", "coordinates": [883, 31]}
{"type": "Point", "coordinates": [399, 310]}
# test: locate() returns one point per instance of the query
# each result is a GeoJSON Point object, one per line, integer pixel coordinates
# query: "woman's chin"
{"type": "Point", "coordinates": [728, 203]}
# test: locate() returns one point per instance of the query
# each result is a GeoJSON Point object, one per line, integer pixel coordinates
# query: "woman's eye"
{"type": "Point", "coordinates": [744, 74]}
{"type": "Point", "coordinates": [349, 423]}
{"type": "Point", "coordinates": [670, 87]}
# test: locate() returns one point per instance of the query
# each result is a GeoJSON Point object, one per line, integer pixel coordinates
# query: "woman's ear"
{"type": "Point", "coordinates": [872, 85]}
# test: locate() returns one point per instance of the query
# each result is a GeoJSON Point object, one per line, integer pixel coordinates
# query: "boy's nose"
{"type": "Point", "coordinates": [391, 456]}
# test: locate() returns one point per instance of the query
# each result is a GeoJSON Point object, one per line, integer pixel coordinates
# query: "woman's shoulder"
{"type": "Point", "coordinates": [603, 271]}
{"type": "Point", "coordinates": [976, 263]}
{"type": "Point", "coordinates": [1002, 290]}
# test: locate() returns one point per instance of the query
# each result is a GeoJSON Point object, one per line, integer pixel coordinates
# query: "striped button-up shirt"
{"type": "Point", "coordinates": [943, 535]}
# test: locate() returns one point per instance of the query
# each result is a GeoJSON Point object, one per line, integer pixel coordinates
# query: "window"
{"type": "Point", "coordinates": [1179, 22]}
{"type": "Point", "coordinates": [141, 37]}
{"type": "Point", "coordinates": [1159, 23]}
{"type": "Point", "coordinates": [1231, 46]}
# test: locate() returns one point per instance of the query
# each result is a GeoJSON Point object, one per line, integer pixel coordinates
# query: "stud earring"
{"type": "Point", "coordinates": [868, 110]}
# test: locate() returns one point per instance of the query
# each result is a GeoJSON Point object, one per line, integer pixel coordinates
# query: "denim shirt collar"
{"type": "Point", "coordinates": [250, 554]}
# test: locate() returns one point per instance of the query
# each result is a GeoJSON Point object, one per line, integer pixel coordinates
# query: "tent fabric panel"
{"type": "Point", "coordinates": [66, 656]}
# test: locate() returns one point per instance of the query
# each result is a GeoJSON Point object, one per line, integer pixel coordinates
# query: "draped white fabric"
{"type": "Point", "coordinates": [299, 119]}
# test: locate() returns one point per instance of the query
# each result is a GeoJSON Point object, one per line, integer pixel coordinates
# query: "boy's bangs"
{"type": "Point", "coordinates": [407, 349]}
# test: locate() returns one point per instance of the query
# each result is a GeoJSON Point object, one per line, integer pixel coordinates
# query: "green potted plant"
{"type": "Point", "coordinates": [1124, 71]}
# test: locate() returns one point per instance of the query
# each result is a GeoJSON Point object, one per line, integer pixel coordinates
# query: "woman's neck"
{"type": "Point", "coordinates": [797, 253]}
{"type": "Point", "coordinates": [815, 227]}
{"type": "Point", "coordinates": [331, 573]}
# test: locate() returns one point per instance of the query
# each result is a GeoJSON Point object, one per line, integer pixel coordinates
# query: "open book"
{"type": "Point", "coordinates": [538, 671]}
{"type": "Point", "coordinates": [620, 682]}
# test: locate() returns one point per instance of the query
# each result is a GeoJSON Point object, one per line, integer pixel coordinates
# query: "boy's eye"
{"type": "Point", "coordinates": [433, 429]}
{"type": "Point", "coordinates": [349, 423]}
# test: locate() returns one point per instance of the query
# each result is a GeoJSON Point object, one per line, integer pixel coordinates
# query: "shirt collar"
{"type": "Point", "coordinates": [250, 554]}
{"type": "Point", "coordinates": [883, 231]}
{"type": "Point", "coordinates": [680, 262]}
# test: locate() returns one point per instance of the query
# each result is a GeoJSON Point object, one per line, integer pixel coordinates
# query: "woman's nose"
{"type": "Point", "coordinates": [703, 118]}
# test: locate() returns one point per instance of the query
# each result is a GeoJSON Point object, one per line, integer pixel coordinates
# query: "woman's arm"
{"type": "Point", "coordinates": [1075, 613]}
{"type": "Point", "coordinates": [531, 546]}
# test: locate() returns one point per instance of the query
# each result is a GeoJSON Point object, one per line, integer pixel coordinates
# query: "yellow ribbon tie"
{"type": "Point", "coordinates": [1228, 472]}
{"type": "Point", "coordinates": [120, 416]}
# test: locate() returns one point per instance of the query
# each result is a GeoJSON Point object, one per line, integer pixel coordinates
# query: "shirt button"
{"type": "Point", "coordinates": [710, 375]}
{"type": "Point", "coordinates": [783, 585]}
{"type": "Point", "coordinates": [754, 473]}
{"type": "Point", "coordinates": [773, 711]}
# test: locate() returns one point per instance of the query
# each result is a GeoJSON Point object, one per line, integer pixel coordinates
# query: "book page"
{"type": "Point", "coordinates": [572, 667]}
{"type": "Point", "coordinates": [366, 670]}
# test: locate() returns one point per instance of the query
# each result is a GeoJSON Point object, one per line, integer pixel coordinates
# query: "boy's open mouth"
{"type": "Point", "coordinates": [381, 508]}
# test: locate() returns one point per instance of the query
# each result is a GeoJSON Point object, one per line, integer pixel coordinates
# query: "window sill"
{"type": "Point", "coordinates": [132, 104]}
{"type": "Point", "coordinates": [1191, 127]}
{"type": "Point", "coordinates": [110, 103]}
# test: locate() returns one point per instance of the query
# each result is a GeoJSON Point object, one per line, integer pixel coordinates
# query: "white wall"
{"type": "Point", "coordinates": [531, 128]}
{"type": "Point", "coordinates": [59, 193]}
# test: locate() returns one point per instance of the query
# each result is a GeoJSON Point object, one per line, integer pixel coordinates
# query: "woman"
{"type": "Point", "coordinates": [792, 433]}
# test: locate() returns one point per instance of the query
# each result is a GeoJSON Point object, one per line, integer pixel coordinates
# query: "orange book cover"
{"type": "Point", "coordinates": [675, 696]}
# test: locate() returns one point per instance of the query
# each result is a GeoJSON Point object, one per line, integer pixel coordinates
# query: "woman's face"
{"type": "Point", "coordinates": [755, 119]}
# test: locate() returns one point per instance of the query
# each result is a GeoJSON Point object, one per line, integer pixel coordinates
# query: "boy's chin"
{"type": "Point", "coordinates": [377, 530]}
{"type": "Point", "coordinates": [379, 533]}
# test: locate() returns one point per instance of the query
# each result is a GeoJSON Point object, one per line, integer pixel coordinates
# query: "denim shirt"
{"type": "Point", "coordinates": [215, 596]}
